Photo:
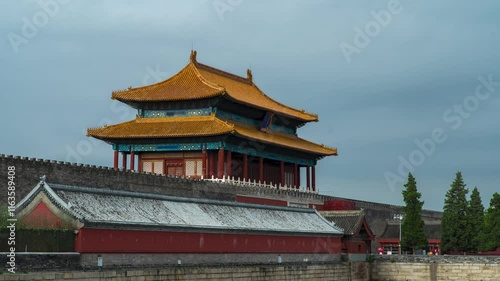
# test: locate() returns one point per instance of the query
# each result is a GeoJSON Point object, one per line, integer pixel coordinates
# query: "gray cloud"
{"type": "Point", "coordinates": [373, 109]}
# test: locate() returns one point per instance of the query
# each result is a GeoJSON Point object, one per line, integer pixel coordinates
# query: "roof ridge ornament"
{"type": "Point", "coordinates": [42, 178]}
{"type": "Point", "coordinates": [192, 57]}
{"type": "Point", "coordinates": [249, 75]}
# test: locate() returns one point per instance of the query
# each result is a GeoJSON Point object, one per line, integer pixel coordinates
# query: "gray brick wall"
{"type": "Point", "coordinates": [43, 261]}
{"type": "Point", "coordinates": [314, 272]}
{"type": "Point", "coordinates": [89, 261]}
{"type": "Point", "coordinates": [29, 171]}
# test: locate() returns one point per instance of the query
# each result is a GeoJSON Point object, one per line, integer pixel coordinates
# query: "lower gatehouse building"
{"type": "Point", "coordinates": [111, 223]}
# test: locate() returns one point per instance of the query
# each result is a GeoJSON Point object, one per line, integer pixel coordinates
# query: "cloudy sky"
{"type": "Point", "coordinates": [398, 86]}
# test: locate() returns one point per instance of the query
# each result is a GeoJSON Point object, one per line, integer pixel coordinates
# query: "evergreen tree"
{"type": "Point", "coordinates": [4, 215]}
{"type": "Point", "coordinates": [475, 221]}
{"type": "Point", "coordinates": [490, 239]}
{"type": "Point", "coordinates": [412, 233]}
{"type": "Point", "coordinates": [454, 221]}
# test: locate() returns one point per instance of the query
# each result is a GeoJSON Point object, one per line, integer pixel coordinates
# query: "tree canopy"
{"type": "Point", "coordinates": [454, 221]}
{"type": "Point", "coordinates": [490, 238]}
{"type": "Point", "coordinates": [475, 221]}
{"type": "Point", "coordinates": [412, 234]}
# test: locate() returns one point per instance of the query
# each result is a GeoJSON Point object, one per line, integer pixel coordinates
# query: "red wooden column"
{"type": "Point", "coordinates": [245, 167]}
{"type": "Point", "coordinates": [228, 164]}
{"type": "Point", "coordinates": [298, 177]}
{"type": "Point", "coordinates": [204, 164]}
{"type": "Point", "coordinates": [124, 161]}
{"type": "Point", "coordinates": [220, 170]}
{"type": "Point", "coordinates": [212, 163]}
{"type": "Point", "coordinates": [308, 178]}
{"type": "Point", "coordinates": [295, 175]}
{"type": "Point", "coordinates": [261, 169]}
{"type": "Point", "coordinates": [132, 161]}
{"type": "Point", "coordinates": [139, 163]}
{"type": "Point", "coordinates": [282, 173]}
{"type": "Point", "coordinates": [313, 178]}
{"type": "Point", "coordinates": [115, 160]}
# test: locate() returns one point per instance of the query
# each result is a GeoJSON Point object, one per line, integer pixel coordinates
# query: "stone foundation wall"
{"type": "Point", "coordinates": [42, 261]}
{"type": "Point", "coordinates": [481, 259]}
{"type": "Point", "coordinates": [318, 272]}
{"type": "Point", "coordinates": [28, 262]}
{"type": "Point", "coordinates": [435, 271]}
{"type": "Point", "coordinates": [436, 268]}
{"type": "Point", "coordinates": [89, 261]}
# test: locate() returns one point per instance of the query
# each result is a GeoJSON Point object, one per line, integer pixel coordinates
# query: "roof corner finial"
{"type": "Point", "coordinates": [42, 178]}
{"type": "Point", "coordinates": [249, 75]}
{"type": "Point", "coordinates": [192, 58]}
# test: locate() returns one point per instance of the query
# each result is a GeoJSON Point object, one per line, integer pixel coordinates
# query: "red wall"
{"type": "Point", "coordinates": [491, 253]}
{"type": "Point", "coordinates": [42, 217]}
{"type": "Point", "coordinates": [340, 204]}
{"type": "Point", "coordinates": [318, 207]}
{"type": "Point", "coordinates": [355, 247]}
{"type": "Point", "coordinates": [129, 241]}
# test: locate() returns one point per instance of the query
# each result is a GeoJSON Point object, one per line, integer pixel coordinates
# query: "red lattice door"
{"type": "Point", "coordinates": [175, 168]}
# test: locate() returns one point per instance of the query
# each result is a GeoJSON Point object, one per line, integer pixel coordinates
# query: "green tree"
{"type": "Point", "coordinates": [4, 215]}
{"type": "Point", "coordinates": [475, 221]}
{"type": "Point", "coordinates": [490, 239]}
{"type": "Point", "coordinates": [412, 233]}
{"type": "Point", "coordinates": [454, 221]}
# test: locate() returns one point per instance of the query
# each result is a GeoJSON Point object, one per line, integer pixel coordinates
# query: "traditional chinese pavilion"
{"type": "Point", "coordinates": [204, 122]}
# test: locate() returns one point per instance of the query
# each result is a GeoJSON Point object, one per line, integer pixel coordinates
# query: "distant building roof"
{"type": "Point", "coordinates": [432, 230]}
{"type": "Point", "coordinates": [97, 206]}
{"type": "Point", "coordinates": [349, 220]}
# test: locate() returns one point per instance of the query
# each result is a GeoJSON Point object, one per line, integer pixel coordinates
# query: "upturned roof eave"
{"type": "Point", "coordinates": [294, 117]}
{"type": "Point", "coordinates": [320, 154]}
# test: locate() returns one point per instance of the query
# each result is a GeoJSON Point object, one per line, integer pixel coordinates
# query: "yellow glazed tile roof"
{"type": "Point", "coordinates": [202, 126]}
{"type": "Point", "coordinates": [185, 85]}
{"type": "Point", "coordinates": [163, 128]}
{"type": "Point", "coordinates": [284, 140]}
{"type": "Point", "coordinates": [197, 81]}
